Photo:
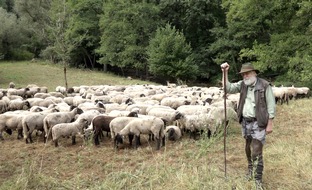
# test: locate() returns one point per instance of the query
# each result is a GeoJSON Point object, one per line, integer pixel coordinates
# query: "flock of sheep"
{"type": "Point", "coordinates": [125, 112]}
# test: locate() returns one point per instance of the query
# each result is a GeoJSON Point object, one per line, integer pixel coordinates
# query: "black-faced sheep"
{"type": "Point", "coordinates": [173, 132]}
{"type": "Point", "coordinates": [11, 121]}
{"type": "Point", "coordinates": [68, 130]}
{"type": "Point", "coordinates": [116, 125]}
{"type": "Point", "coordinates": [59, 117]}
{"type": "Point", "coordinates": [34, 121]}
{"type": "Point", "coordinates": [18, 105]}
{"type": "Point", "coordinates": [101, 123]}
{"type": "Point", "coordinates": [170, 115]}
{"type": "Point", "coordinates": [138, 126]}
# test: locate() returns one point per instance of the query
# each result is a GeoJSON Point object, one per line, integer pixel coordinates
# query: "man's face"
{"type": "Point", "coordinates": [249, 77]}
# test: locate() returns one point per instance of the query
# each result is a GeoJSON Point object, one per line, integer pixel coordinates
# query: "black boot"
{"type": "Point", "coordinates": [249, 174]}
{"type": "Point", "coordinates": [257, 160]}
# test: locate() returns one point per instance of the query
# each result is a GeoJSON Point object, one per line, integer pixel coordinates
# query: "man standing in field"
{"type": "Point", "coordinates": [256, 111]}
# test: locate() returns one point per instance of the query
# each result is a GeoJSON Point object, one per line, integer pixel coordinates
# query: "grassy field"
{"type": "Point", "coordinates": [186, 164]}
{"type": "Point", "coordinates": [52, 75]}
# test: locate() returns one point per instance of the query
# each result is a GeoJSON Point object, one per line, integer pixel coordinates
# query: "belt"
{"type": "Point", "coordinates": [250, 119]}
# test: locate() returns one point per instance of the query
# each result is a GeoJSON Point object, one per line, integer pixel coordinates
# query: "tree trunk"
{"type": "Point", "coordinates": [65, 75]}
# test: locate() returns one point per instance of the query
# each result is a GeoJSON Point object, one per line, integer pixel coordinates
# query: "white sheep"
{"type": "Point", "coordinates": [68, 130]}
{"type": "Point", "coordinates": [116, 125]}
{"type": "Point", "coordinates": [59, 117]}
{"type": "Point", "coordinates": [175, 102]}
{"type": "Point", "coordinates": [4, 104]}
{"type": "Point", "coordinates": [11, 121]}
{"type": "Point", "coordinates": [169, 115]}
{"type": "Point", "coordinates": [138, 126]}
{"type": "Point", "coordinates": [34, 121]}
{"type": "Point", "coordinates": [18, 104]}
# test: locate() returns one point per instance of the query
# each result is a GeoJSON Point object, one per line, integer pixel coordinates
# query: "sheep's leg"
{"type": "Point", "coordinates": [56, 143]}
{"type": "Point", "coordinates": [209, 134]}
{"type": "Point", "coordinates": [73, 140]}
{"type": "Point", "coordinates": [96, 137]}
{"type": "Point", "coordinates": [151, 137]}
{"type": "Point", "coordinates": [19, 133]}
{"type": "Point", "coordinates": [158, 143]}
{"type": "Point", "coordinates": [130, 139]}
{"type": "Point", "coordinates": [137, 141]}
{"type": "Point", "coordinates": [164, 141]}
{"type": "Point", "coordinates": [1, 137]}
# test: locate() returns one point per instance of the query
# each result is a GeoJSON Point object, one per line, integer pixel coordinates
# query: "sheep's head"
{"type": "Point", "coordinates": [178, 115]}
{"type": "Point", "coordinates": [171, 133]}
{"type": "Point", "coordinates": [26, 105]}
{"type": "Point", "coordinates": [118, 139]}
{"type": "Point", "coordinates": [133, 114]}
{"type": "Point", "coordinates": [79, 111]}
{"type": "Point", "coordinates": [129, 101]}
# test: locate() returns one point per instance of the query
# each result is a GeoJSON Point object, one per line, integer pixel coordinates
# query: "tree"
{"type": "Point", "coordinates": [126, 27]}
{"type": "Point", "coordinates": [84, 26]}
{"type": "Point", "coordinates": [61, 45]}
{"type": "Point", "coordinates": [12, 37]}
{"type": "Point", "coordinates": [196, 19]}
{"type": "Point", "coordinates": [288, 52]}
{"type": "Point", "coordinates": [170, 56]}
{"type": "Point", "coordinates": [34, 18]}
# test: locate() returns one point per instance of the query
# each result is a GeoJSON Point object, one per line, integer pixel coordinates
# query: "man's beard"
{"type": "Point", "coordinates": [250, 80]}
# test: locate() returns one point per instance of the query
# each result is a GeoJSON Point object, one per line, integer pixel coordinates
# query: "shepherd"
{"type": "Point", "coordinates": [256, 111]}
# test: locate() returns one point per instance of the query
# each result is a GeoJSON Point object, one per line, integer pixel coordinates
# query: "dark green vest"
{"type": "Point", "coordinates": [261, 111]}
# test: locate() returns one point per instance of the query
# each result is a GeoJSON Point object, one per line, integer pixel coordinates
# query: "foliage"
{"type": "Point", "coordinates": [84, 26]}
{"type": "Point", "coordinates": [33, 18]}
{"type": "Point", "coordinates": [126, 27]}
{"type": "Point", "coordinates": [288, 52]}
{"type": "Point", "coordinates": [170, 56]}
{"type": "Point", "coordinates": [275, 35]}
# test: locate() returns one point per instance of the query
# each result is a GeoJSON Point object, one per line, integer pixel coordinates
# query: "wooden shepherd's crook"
{"type": "Point", "coordinates": [225, 120]}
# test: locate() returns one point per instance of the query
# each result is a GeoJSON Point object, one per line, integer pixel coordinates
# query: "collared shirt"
{"type": "Point", "coordinates": [249, 109]}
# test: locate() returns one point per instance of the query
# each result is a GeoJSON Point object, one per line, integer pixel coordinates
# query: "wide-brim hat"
{"type": "Point", "coordinates": [248, 67]}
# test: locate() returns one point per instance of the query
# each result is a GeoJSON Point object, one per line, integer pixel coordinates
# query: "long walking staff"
{"type": "Point", "coordinates": [225, 122]}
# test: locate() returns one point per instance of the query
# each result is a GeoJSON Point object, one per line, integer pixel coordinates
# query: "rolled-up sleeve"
{"type": "Point", "coordinates": [232, 88]}
{"type": "Point", "coordinates": [270, 100]}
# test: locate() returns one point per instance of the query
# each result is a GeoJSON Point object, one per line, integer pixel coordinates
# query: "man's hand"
{"type": "Point", "coordinates": [225, 66]}
{"type": "Point", "coordinates": [269, 128]}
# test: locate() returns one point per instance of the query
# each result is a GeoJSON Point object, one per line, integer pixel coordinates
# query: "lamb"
{"type": "Point", "coordinates": [138, 126]}
{"type": "Point", "coordinates": [34, 121]}
{"type": "Point", "coordinates": [60, 117]}
{"type": "Point", "coordinates": [173, 132]}
{"type": "Point", "coordinates": [68, 129]}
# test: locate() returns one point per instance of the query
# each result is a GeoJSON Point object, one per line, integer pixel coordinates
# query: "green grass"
{"type": "Point", "coordinates": [52, 75]}
{"type": "Point", "coordinates": [182, 165]}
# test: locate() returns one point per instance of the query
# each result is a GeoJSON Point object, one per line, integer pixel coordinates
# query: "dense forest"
{"type": "Point", "coordinates": [174, 40]}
